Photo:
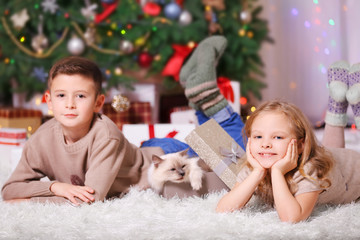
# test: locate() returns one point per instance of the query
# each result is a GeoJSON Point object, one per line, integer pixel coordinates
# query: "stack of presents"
{"type": "Point", "coordinates": [138, 122]}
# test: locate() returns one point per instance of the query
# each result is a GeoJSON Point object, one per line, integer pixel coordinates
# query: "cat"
{"type": "Point", "coordinates": [174, 167]}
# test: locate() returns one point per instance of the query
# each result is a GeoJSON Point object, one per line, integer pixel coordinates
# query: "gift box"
{"type": "Point", "coordinates": [218, 149]}
{"type": "Point", "coordinates": [183, 115]}
{"type": "Point", "coordinates": [138, 133]}
{"type": "Point", "coordinates": [142, 92]}
{"type": "Point", "coordinates": [29, 119]}
{"type": "Point", "coordinates": [12, 136]}
{"type": "Point", "coordinates": [138, 112]}
{"type": "Point", "coordinates": [12, 141]}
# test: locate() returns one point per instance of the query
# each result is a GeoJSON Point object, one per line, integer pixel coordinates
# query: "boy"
{"type": "Point", "coordinates": [83, 153]}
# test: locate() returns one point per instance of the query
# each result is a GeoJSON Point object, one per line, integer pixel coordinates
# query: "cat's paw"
{"type": "Point", "coordinates": [196, 185]}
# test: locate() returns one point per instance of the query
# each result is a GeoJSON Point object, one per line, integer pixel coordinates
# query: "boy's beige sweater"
{"type": "Point", "coordinates": [103, 160]}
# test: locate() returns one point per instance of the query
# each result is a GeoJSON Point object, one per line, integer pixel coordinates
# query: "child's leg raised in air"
{"type": "Point", "coordinates": [198, 77]}
{"type": "Point", "coordinates": [336, 119]}
{"type": "Point", "coordinates": [353, 94]}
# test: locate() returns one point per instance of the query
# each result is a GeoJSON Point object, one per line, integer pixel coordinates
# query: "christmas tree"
{"type": "Point", "coordinates": [126, 35]}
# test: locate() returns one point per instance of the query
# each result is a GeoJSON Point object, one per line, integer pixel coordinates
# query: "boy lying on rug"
{"type": "Point", "coordinates": [87, 158]}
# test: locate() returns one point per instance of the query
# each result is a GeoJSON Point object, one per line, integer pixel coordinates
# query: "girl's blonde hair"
{"type": "Point", "coordinates": [321, 160]}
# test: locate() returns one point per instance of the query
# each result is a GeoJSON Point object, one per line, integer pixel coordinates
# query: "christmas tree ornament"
{"type": "Point", "coordinates": [89, 11]}
{"type": "Point", "coordinates": [40, 74]}
{"type": "Point", "coordinates": [40, 41]}
{"type": "Point", "coordinates": [185, 18]}
{"type": "Point", "coordinates": [120, 103]}
{"type": "Point", "coordinates": [172, 10]}
{"type": "Point", "coordinates": [50, 6]}
{"type": "Point", "coordinates": [140, 41]}
{"type": "Point", "coordinates": [145, 59]}
{"type": "Point", "coordinates": [126, 46]}
{"type": "Point", "coordinates": [118, 71]}
{"type": "Point", "coordinates": [75, 46]}
{"type": "Point", "coordinates": [245, 16]}
{"type": "Point", "coordinates": [152, 9]}
{"type": "Point", "coordinates": [19, 19]}
{"type": "Point", "coordinates": [89, 34]}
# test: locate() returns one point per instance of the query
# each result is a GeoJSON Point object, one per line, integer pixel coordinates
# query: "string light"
{"type": "Point", "coordinates": [22, 39]}
{"type": "Point", "coordinates": [243, 100]}
{"type": "Point", "coordinates": [252, 109]}
{"type": "Point", "coordinates": [307, 24]}
{"type": "Point", "coordinates": [331, 22]}
{"type": "Point", "coordinates": [294, 12]}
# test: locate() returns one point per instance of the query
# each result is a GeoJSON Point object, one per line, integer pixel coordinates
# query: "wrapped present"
{"type": "Point", "coordinates": [12, 136]}
{"type": "Point", "coordinates": [29, 119]}
{"type": "Point", "coordinates": [218, 149]}
{"type": "Point", "coordinates": [183, 115]}
{"type": "Point", "coordinates": [142, 92]}
{"type": "Point", "coordinates": [11, 145]}
{"type": "Point", "coordinates": [138, 112]}
{"type": "Point", "coordinates": [137, 133]}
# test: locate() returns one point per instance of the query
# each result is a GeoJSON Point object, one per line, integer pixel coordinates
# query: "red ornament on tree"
{"type": "Point", "coordinates": [152, 9]}
{"type": "Point", "coordinates": [145, 59]}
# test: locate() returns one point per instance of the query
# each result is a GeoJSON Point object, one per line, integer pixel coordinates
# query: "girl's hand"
{"type": "Point", "coordinates": [250, 158]}
{"type": "Point", "coordinates": [70, 191]}
{"type": "Point", "coordinates": [289, 162]}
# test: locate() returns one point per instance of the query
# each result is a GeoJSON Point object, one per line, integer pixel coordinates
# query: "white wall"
{"type": "Point", "coordinates": [296, 65]}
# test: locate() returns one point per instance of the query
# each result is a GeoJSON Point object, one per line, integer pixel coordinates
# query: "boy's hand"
{"type": "Point", "coordinates": [289, 162]}
{"type": "Point", "coordinates": [70, 191]}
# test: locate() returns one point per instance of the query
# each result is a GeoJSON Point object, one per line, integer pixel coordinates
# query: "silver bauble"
{"type": "Point", "coordinates": [76, 46]}
{"type": "Point", "coordinates": [39, 43]}
{"type": "Point", "coordinates": [126, 46]}
{"type": "Point", "coordinates": [185, 18]}
{"type": "Point", "coordinates": [245, 16]}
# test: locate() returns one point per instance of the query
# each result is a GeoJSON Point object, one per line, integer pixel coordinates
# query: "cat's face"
{"type": "Point", "coordinates": [172, 167]}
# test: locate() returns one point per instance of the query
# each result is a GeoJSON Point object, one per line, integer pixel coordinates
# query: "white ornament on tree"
{"type": "Point", "coordinates": [19, 19]}
{"type": "Point", "coordinates": [89, 11]}
{"type": "Point", "coordinates": [245, 16]}
{"type": "Point", "coordinates": [50, 6]}
{"type": "Point", "coordinates": [40, 41]}
{"type": "Point", "coordinates": [76, 46]}
{"type": "Point", "coordinates": [126, 46]}
{"type": "Point", "coordinates": [185, 18]}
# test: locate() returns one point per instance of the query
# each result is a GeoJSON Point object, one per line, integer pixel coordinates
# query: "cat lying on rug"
{"type": "Point", "coordinates": [175, 167]}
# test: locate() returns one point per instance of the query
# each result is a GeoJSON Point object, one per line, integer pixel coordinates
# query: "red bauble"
{"type": "Point", "coordinates": [152, 9]}
{"type": "Point", "coordinates": [145, 59]}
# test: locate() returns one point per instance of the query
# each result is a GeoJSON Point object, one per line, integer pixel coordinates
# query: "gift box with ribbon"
{"type": "Point", "coordinates": [12, 136]}
{"type": "Point", "coordinates": [138, 112]}
{"type": "Point", "coordinates": [218, 149]}
{"type": "Point", "coordinates": [29, 119]}
{"type": "Point", "coordinates": [138, 133]}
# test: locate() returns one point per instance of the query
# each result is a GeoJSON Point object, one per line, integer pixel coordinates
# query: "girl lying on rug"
{"type": "Point", "coordinates": [87, 158]}
{"type": "Point", "coordinates": [287, 168]}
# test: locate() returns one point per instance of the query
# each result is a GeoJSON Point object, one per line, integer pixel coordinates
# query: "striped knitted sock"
{"type": "Point", "coordinates": [338, 86]}
{"type": "Point", "coordinates": [353, 94]}
{"type": "Point", "coordinates": [198, 76]}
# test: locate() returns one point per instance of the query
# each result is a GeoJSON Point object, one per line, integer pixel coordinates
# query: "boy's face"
{"type": "Point", "coordinates": [73, 100]}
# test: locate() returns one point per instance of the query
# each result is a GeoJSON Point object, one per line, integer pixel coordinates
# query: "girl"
{"type": "Point", "coordinates": [287, 168]}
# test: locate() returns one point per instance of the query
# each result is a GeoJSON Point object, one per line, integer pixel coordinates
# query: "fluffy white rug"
{"type": "Point", "coordinates": [145, 215]}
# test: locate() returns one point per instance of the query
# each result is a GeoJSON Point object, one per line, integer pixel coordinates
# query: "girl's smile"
{"type": "Point", "coordinates": [271, 134]}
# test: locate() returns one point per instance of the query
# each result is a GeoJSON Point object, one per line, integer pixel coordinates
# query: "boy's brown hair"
{"type": "Point", "coordinates": [77, 65]}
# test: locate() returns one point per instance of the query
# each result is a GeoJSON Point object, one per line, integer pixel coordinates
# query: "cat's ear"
{"type": "Point", "coordinates": [156, 160]}
{"type": "Point", "coordinates": [184, 152]}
